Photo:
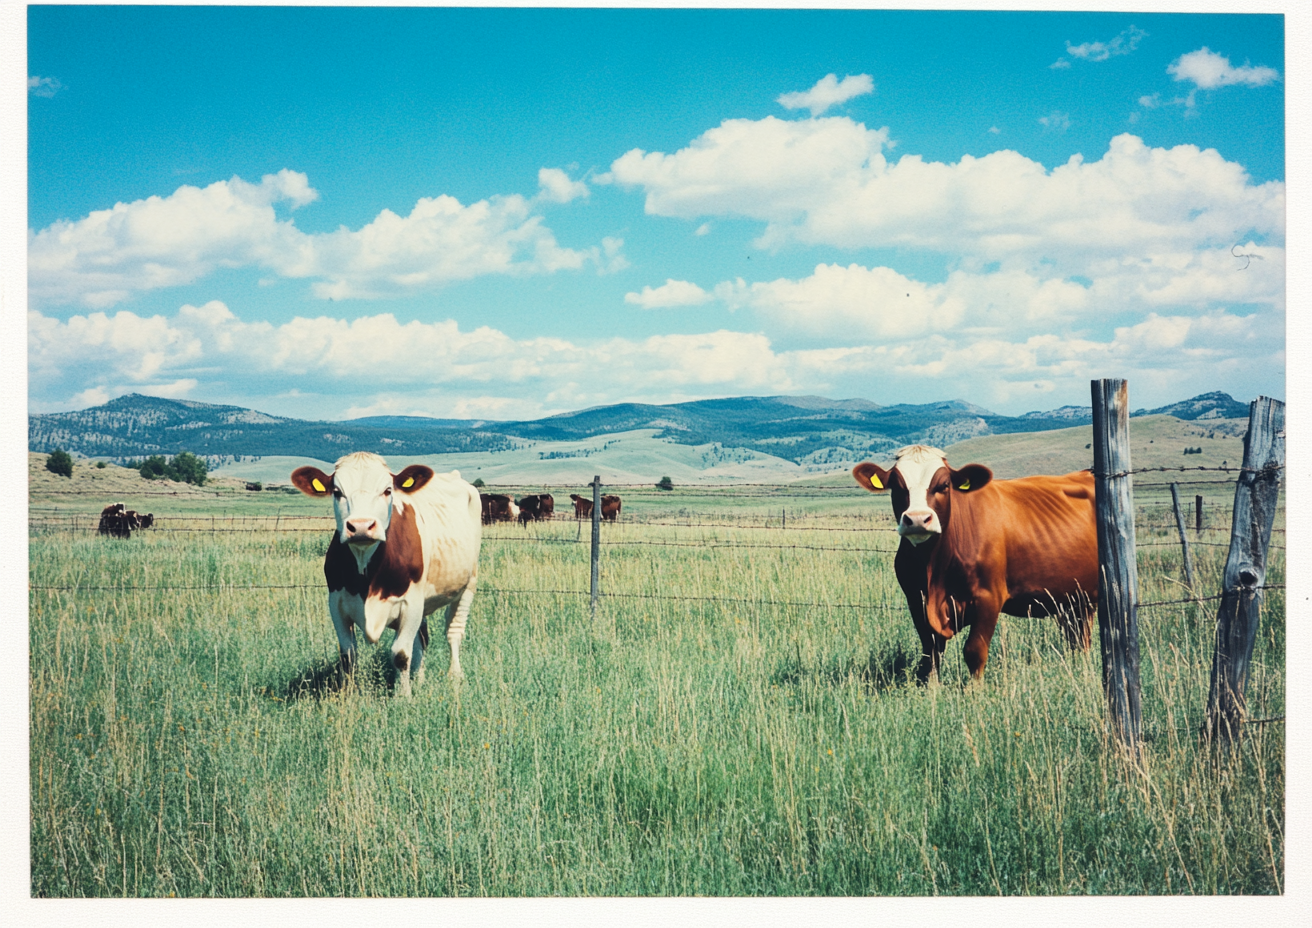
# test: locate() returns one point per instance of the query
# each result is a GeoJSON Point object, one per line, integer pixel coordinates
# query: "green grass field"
{"type": "Point", "coordinates": [736, 720]}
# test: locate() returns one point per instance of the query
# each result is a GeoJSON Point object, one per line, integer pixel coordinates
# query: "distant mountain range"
{"type": "Point", "coordinates": [802, 429]}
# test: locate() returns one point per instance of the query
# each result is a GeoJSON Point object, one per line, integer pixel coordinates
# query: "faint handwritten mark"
{"type": "Point", "coordinates": [1248, 256]}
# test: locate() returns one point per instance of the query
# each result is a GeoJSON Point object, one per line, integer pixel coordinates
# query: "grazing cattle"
{"type": "Point", "coordinates": [530, 510]}
{"type": "Point", "coordinates": [536, 508]}
{"type": "Point", "coordinates": [497, 507]}
{"type": "Point", "coordinates": [145, 521]}
{"type": "Point", "coordinates": [973, 547]}
{"type": "Point", "coordinates": [115, 521]}
{"type": "Point", "coordinates": [610, 507]}
{"type": "Point", "coordinates": [582, 507]}
{"type": "Point", "coordinates": [405, 546]}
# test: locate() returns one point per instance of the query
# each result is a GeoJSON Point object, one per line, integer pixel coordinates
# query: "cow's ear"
{"type": "Point", "coordinates": [312, 481]}
{"type": "Point", "coordinates": [970, 478]}
{"type": "Point", "coordinates": [412, 478]}
{"type": "Point", "coordinates": [871, 476]}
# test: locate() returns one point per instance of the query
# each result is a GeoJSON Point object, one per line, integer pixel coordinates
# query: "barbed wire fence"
{"type": "Point", "coordinates": [53, 518]}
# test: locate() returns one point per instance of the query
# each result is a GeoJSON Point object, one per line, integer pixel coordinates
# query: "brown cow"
{"type": "Point", "coordinates": [115, 521]}
{"type": "Point", "coordinates": [497, 507]}
{"type": "Point", "coordinates": [140, 519]}
{"type": "Point", "coordinates": [610, 507]}
{"type": "Point", "coordinates": [532, 509]}
{"type": "Point", "coordinates": [582, 507]}
{"type": "Point", "coordinates": [973, 547]}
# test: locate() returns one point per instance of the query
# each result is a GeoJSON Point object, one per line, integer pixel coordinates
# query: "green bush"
{"type": "Point", "coordinates": [185, 468]}
{"type": "Point", "coordinates": [60, 463]}
{"type": "Point", "coordinates": [478, 482]}
{"type": "Point", "coordinates": [665, 484]}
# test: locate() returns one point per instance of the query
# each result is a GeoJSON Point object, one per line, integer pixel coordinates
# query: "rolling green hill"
{"type": "Point", "coordinates": [743, 439]}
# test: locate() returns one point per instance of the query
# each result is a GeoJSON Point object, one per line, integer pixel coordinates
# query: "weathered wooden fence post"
{"type": "Point", "coordinates": [1198, 514]}
{"type": "Point", "coordinates": [1184, 541]}
{"type": "Point", "coordinates": [1256, 497]}
{"type": "Point", "coordinates": [596, 538]}
{"type": "Point", "coordinates": [1118, 575]}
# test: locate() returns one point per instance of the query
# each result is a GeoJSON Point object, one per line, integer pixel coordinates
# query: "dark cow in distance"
{"type": "Point", "coordinates": [497, 507]}
{"type": "Point", "coordinates": [536, 508]}
{"type": "Point", "coordinates": [119, 522]}
{"type": "Point", "coordinates": [610, 507]}
{"type": "Point", "coordinates": [973, 547]}
{"type": "Point", "coordinates": [115, 521]}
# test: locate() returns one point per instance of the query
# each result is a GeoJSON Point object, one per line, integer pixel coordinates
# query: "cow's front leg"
{"type": "Point", "coordinates": [984, 619]}
{"type": "Point", "coordinates": [931, 645]}
{"type": "Point", "coordinates": [456, 614]}
{"type": "Point", "coordinates": [345, 611]}
{"type": "Point", "coordinates": [407, 634]}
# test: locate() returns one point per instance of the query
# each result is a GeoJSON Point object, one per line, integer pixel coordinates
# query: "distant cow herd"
{"type": "Point", "coordinates": [119, 522]}
{"type": "Point", "coordinates": [497, 507]}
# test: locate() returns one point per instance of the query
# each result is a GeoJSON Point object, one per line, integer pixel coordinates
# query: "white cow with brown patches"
{"type": "Point", "coordinates": [406, 545]}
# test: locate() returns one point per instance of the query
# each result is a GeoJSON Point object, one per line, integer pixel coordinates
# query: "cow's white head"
{"type": "Point", "coordinates": [364, 494]}
{"type": "Point", "coordinates": [921, 484]}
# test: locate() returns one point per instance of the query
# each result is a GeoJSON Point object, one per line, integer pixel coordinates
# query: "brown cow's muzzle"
{"type": "Point", "coordinates": [919, 526]}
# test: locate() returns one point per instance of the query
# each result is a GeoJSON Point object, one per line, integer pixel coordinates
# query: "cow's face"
{"type": "Point", "coordinates": [922, 485]}
{"type": "Point", "coordinates": [364, 494]}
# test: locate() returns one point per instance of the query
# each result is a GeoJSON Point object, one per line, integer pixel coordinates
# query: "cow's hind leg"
{"type": "Point", "coordinates": [421, 644]}
{"type": "Point", "coordinates": [456, 614]}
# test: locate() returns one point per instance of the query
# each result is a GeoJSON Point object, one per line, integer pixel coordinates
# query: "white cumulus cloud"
{"type": "Point", "coordinates": [556, 186]}
{"type": "Point", "coordinates": [670, 293]}
{"type": "Point", "coordinates": [827, 182]}
{"type": "Point", "coordinates": [828, 91]}
{"type": "Point", "coordinates": [107, 256]}
{"type": "Point", "coordinates": [1208, 70]}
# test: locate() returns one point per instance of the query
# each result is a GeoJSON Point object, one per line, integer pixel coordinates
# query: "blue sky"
{"type": "Point", "coordinates": [510, 213]}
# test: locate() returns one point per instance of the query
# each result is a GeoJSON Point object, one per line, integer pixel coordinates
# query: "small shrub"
{"type": "Point", "coordinates": [60, 463]}
{"type": "Point", "coordinates": [665, 483]}
{"type": "Point", "coordinates": [100, 465]}
{"type": "Point", "coordinates": [478, 482]}
{"type": "Point", "coordinates": [185, 468]}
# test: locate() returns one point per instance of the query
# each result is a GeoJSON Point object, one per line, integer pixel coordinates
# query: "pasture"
{"type": "Point", "coordinates": [736, 720]}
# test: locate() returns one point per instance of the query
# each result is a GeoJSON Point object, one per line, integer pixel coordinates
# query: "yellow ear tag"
{"type": "Point", "coordinates": [318, 486]}
{"type": "Point", "coordinates": [409, 482]}
{"type": "Point", "coordinates": [964, 485]}
{"type": "Point", "coordinates": [874, 482]}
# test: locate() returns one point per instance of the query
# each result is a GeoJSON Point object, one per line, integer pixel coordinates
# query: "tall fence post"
{"type": "Point", "coordinates": [1256, 497]}
{"type": "Point", "coordinates": [1184, 541]}
{"type": "Point", "coordinates": [596, 538]}
{"type": "Point", "coordinates": [1118, 575]}
{"type": "Point", "coordinates": [1198, 514]}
